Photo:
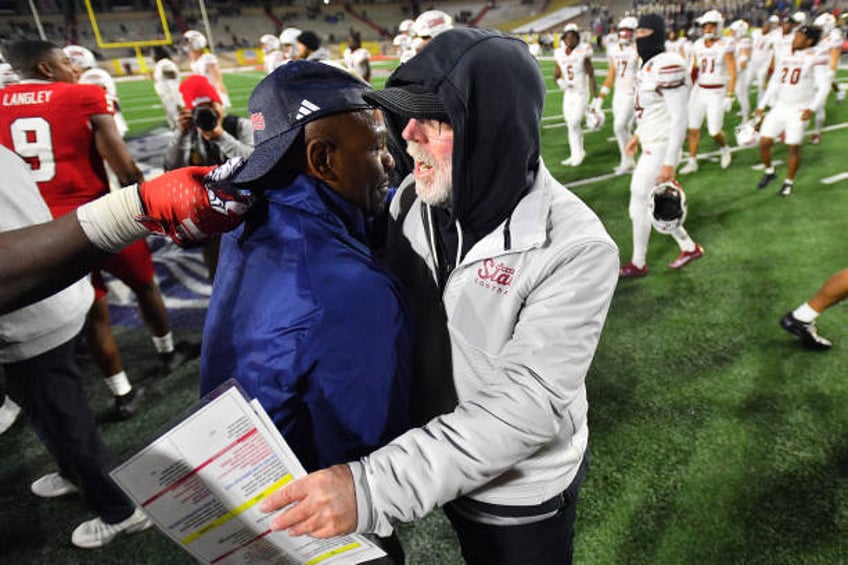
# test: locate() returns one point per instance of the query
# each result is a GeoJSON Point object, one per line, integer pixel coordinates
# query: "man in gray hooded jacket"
{"type": "Point", "coordinates": [511, 277]}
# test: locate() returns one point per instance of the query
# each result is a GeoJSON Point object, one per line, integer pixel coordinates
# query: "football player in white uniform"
{"type": "Point", "coordinates": [575, 75]}
{"type": "Point", "coordinates": [428, 25]}
{"type": "Point", "coordinates": [829, 49]}
{"type": "Point", "coordinates": [795, 92]}
{"type": "Point", "coordinates": [403, 41]}
{"type": "Point", "coordinates": [762, 53]}
{"type": "Point", "coordinates": [623, 64]}
{"type": "Point", "coordinates": [662, 95]}
{"type": "Point", "coordinates": [166, 83]}
{"type": "Point", "coordinates": [271, 53]}
{"type": "Point", "coordinates": [205, 64]}
{"type": "Point", "coordinates": [784, 39]}
{"type": "Point", "coordinates": [357, 59]}
{"type": "Point", "coordinates": [742, 54]}
{"type": "Point", "coordinates": [288, 43]}
{"type": "Point", "coordinates": [89, 73]}
{"type": "Point", "coordinates": [7, 73]}
{"type": "Point", "coordinates": [712, 95]}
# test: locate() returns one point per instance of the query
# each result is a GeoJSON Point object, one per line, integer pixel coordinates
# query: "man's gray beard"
{"type": "Point", "coordinates": [438, 192]}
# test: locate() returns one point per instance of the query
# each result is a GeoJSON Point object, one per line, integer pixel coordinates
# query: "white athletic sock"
{"type": "Point", "coordinates": [805, 313]}
{"type": "Point", "coordinates": [681, 236]}
{"type": "Point", "coordinates": [789, 181]}
{"type": "Point", "coordinates": [165, 343]}
{"type": "Point", "coordinates": [119, 383]}
{"type": "Point", "coordinates": [641, 236]}
{"type": "Point", "coordinates": [769, 170]}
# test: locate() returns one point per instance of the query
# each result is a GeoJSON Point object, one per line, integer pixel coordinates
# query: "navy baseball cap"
{"type": "Point", "coordinates": [289, 98]}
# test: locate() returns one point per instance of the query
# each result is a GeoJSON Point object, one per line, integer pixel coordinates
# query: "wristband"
{"type": "Point", "coordinates": [109, 222]}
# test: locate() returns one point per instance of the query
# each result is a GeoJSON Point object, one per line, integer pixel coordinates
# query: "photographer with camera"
{"type": "Point", "coordinates": [205, 135]}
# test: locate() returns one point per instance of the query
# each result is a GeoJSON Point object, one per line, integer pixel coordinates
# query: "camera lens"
{"type": "Point", "coordinates": [205, 118]}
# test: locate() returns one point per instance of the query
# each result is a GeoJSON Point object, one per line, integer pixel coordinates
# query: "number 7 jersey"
{"type": "Point", "coordinates": [48, 125]}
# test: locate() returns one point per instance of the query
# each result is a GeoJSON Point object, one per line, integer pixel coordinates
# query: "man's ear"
{"type": "Point", "coordinates": [44, 69]}
{"type": "Point", "coordinates": [319, 159]}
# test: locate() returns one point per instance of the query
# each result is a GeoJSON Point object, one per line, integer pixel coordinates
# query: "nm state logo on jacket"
{"type": "Point", "coordinates": [495, 276]}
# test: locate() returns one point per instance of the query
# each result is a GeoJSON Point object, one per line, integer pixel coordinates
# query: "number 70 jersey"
{"type": "Point", "coordinates": [48, 125]}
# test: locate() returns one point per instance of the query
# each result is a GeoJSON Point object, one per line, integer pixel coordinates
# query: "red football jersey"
{"type": "Point", "coordinates": [47, 124]}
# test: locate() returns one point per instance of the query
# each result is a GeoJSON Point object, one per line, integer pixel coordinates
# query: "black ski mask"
{"type": "Point", "coordinates": [654, 44]}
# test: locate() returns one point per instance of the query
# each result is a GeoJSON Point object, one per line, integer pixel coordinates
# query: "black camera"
{"type": "Point", "coordinates": [205, 118]}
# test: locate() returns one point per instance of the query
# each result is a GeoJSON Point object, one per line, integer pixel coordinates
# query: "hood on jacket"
{"type": "Point", "coordinates": [495, 119]}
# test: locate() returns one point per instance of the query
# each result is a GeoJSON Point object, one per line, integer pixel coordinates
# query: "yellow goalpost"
{"type": "Point", "coordinates": [137, 45]}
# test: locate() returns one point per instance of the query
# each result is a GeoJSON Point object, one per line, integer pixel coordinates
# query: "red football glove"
{"type": "Point", "coordinates": [192, 203]}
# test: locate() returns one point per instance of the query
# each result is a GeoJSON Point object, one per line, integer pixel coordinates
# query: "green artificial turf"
{"type": "Point", "coordinates": [716, 438]}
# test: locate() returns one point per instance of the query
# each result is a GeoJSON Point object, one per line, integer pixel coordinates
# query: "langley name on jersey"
{"type": "Point", "coordinates": [24, 98]}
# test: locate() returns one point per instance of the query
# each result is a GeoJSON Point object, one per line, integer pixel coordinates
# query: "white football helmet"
{"type": "Point", "coordinates": [431, 23]}
{"type": "Point", "coordinates": [825, 21]}
{"type": "Point", "coordinates": [739, 29]}
{"type": "Point", "coordinates": [747, 134]}
{"type": "Point", "coordinates": [799, 18]}
{"type": "Point", "coordinates": [594, 119]}
{"type": "Point", "coordinates": [269, 43]}
{"type": "Point", "coordinates": [289, 36]}
{"type": "Point", "coordinates": [406, 26]}
{"type": "Point", "coordinates": [627, 24]}
{"type": "Point", "coordinates": [712, 17]}
{"type": "Point", "coordinates": [80, 56]}
{"type": "Point", "coordinates": [667, 206]}
{"type": "Point", "coordinates": [195, 40]}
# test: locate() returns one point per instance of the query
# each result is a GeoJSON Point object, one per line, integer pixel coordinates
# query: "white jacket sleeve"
{"type": "Point", "coordinates": [543, 368]}
{"type": "Point", "coordinates": [823, 78]}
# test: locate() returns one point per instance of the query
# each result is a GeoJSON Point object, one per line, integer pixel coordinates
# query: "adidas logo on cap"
{"type": "Point", "coordinates": [306, 108]}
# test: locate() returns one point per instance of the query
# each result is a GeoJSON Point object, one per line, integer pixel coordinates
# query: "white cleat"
{"type": "Point", "coordinates": [726, 157]}
{"type": "Point", "coordinates": [624, 168]}
{"type": "Point", "coordinates": [690, 167]}
{"type": "Point", "coordinates": [567, 162]}
{"type": "Point", "coordinates": [577, 161]}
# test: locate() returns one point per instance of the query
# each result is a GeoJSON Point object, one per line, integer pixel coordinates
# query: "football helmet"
{"type": "Point", "coordinates": [431, 23]}
{"type": "Point", "coordinates": [825, 21]}
{"type": "Point", "coordinates": [269, 43]}
{"type": "Point", "coordinates": [289, 36]}
{"type": "Point", "coordinates": [194, 40]}
{"type": "Point", "coordinates": [738, 28]}
{"type": "Point", "coordinates": [626, 28]}
{"type": "Point", "coordinates": [80, 56]}
{"type": "Point", "coordinates": [667, 206]}
{"type": "Point", "coordinates": [406, 26]}
{"type": "Point", "coordinates": [747, 134]}
{"type": "Point", "coordinates": [712, 17]}
{"type": "Point", "coordinates": [594, 119]}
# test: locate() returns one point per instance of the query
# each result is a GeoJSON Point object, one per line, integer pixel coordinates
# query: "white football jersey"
{"type": "Point", "coordinates": [782, 46]}
{"type": "Point", "coordinates": [355, 61]}
{"type": "Point", "coordinates": [572, 65]}
{"type": "Point", "coordinates": [710, 61]}
{"type": "Point", "coordinates": [404, 43]}
{"type": "Point", "coordinates": [795, 81]}
{"type": "Point", "coordinates": [743, 44]}
{"type": "Point", "coordinates": [7, 75]}
{"type": "Point", "coordinates": [626, 61]}
{"type": "Point", "coordinates": [653, 114]}
{"type": "Point", "coordinates": [833, 41]}
{"type": "Point", "coordinates": [762, 47]}
{"type": "Point", "coordinates": [273, 59]}
{"type": "Point", "coordinates": [201, 65]}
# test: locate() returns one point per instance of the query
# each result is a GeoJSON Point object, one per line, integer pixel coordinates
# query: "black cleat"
{"type": "Point", "coordinates": [786, 189]}
{"type": "Point", "coordinates": [128, 404]}
{"type": "Point", "coordinates": [806, 332]}
{"type": "Point", "coordinates": [182, 353]}
{"type": "Point", "coordinates": [767, 178]}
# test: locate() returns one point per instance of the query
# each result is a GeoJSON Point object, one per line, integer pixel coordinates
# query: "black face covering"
{"type": "Point", "coordinates": [654, 44]}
